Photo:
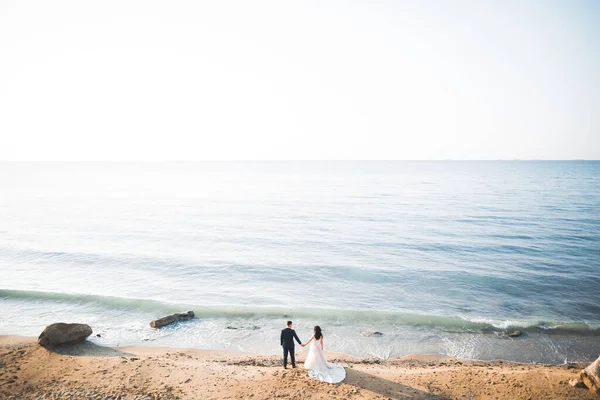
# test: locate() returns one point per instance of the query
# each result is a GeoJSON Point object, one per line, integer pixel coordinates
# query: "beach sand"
{"type": "Point", "coordinates": [89, 371]}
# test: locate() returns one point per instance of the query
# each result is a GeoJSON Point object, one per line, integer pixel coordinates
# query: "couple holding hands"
{"type": "Point", "coordinates": [316, 363]}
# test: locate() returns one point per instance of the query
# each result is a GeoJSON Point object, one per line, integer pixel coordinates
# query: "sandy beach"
{"type": "Point", "coordinates": [86, 370]}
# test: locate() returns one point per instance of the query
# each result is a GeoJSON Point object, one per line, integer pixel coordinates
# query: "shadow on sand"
{"type": "Point", "coordinates": [386, 387]}
{"type": "Point", "coordinates": [88, 349]}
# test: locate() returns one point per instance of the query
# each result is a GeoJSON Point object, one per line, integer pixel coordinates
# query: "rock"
{"type": "Point", "coordinates": [248, 327]}
{"type": "Point", "coordinates": [371, 333]}
{"type": "Point", "coordinates": [62, 333]}
{"type": "Point", "coordinates": [169, 319]}
{"type": "Point", "coordinates": [590, 376]}
{"type": "Point", "coordinates": [513, 333]}
{"type": "Point", "coordinates": [576, 383]}
{"type": "Point", "coordinates": [98, 335]}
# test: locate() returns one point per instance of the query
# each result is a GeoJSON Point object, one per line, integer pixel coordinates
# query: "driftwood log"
{"type": "Point", "coordinates": [590, 376]}
{"type": "Point", "coordinates": [169, 319]}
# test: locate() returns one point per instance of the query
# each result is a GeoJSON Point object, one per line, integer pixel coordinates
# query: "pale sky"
{"type": "Point", "coordinates": [249, 80]}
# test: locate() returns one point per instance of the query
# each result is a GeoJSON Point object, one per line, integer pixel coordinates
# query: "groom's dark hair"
{"type": "Point", "coordinates": [289, 323]}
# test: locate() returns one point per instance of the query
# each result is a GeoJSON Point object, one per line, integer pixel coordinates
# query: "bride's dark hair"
{"type": "Point", "coordinates": [318, 334]}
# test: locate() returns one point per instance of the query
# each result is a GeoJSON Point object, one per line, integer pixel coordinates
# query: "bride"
{"type": "Point", "coordinates": [317, 365]}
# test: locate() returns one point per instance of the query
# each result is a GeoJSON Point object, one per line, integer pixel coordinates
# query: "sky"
{"type": "Point", "coordinates": [144, 80]}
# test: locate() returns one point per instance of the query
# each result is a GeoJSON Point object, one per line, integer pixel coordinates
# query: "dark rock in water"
{"type": "Point", "coordinates": [169, 319]}
{"type": "Point", "coordinates": [250, 327]}
{"type": "Point", "coordinates": [61, 333]}
{"type": "Point", "coordinates": [510, 334]}
{"type": "Point", "coordinates": [98, 335]}
{"type": "Point", "coordinates": [371, 333]}
{"type": "Point", "coordinates": [590, 376]}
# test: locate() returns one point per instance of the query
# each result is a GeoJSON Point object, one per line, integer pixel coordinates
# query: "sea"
{"type": "Point", "coordinates": [390, 258]}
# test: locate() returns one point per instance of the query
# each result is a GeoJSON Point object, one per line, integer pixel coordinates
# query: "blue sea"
{"type": "Point", "coordinates": [437, 257]}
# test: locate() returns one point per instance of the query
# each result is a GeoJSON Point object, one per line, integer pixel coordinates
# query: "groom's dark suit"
{"type": "Point", "coordinates": [287, 341]}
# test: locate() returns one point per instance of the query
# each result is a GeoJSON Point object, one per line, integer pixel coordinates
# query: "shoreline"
{"type": "Point", "coordinates": [143, 348]}
{"type": "Point", "coordinates": [124, 321]}
{"type": "Point", "coordinates": [88, 370]}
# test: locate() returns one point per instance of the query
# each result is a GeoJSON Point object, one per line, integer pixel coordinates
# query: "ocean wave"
{"type": "Point", "coordinates": [182, 264]}
{"type": "Point", "coordinates": [87, 258]}
{"type": "Point", "coordinates": [447, 323]}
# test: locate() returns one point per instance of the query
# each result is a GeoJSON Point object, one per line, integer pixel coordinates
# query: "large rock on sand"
{"type": "Point", "coordinates": [61, 333]}
{"type": "Point", "coordinates": [591, 376]}
{"type": "Point", "coordinates": [169, 319]}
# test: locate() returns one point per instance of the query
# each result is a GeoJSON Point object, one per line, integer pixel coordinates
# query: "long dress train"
{"type": "Point", "coordinates": [319, 368]}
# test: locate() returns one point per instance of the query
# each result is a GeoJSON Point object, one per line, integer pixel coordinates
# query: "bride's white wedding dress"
{"type": "Point", "coordinates": [319, 368]}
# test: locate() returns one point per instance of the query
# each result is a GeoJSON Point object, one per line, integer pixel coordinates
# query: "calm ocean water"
{"type": "Point", "coordinates": [440, 257]}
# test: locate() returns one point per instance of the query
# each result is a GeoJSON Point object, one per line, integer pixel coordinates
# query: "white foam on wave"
{"type": "Point", "coordinates": [500, 324]}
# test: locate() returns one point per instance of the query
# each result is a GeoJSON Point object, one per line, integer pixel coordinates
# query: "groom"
{"type": "Point", "coordinates": [287, 341]}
